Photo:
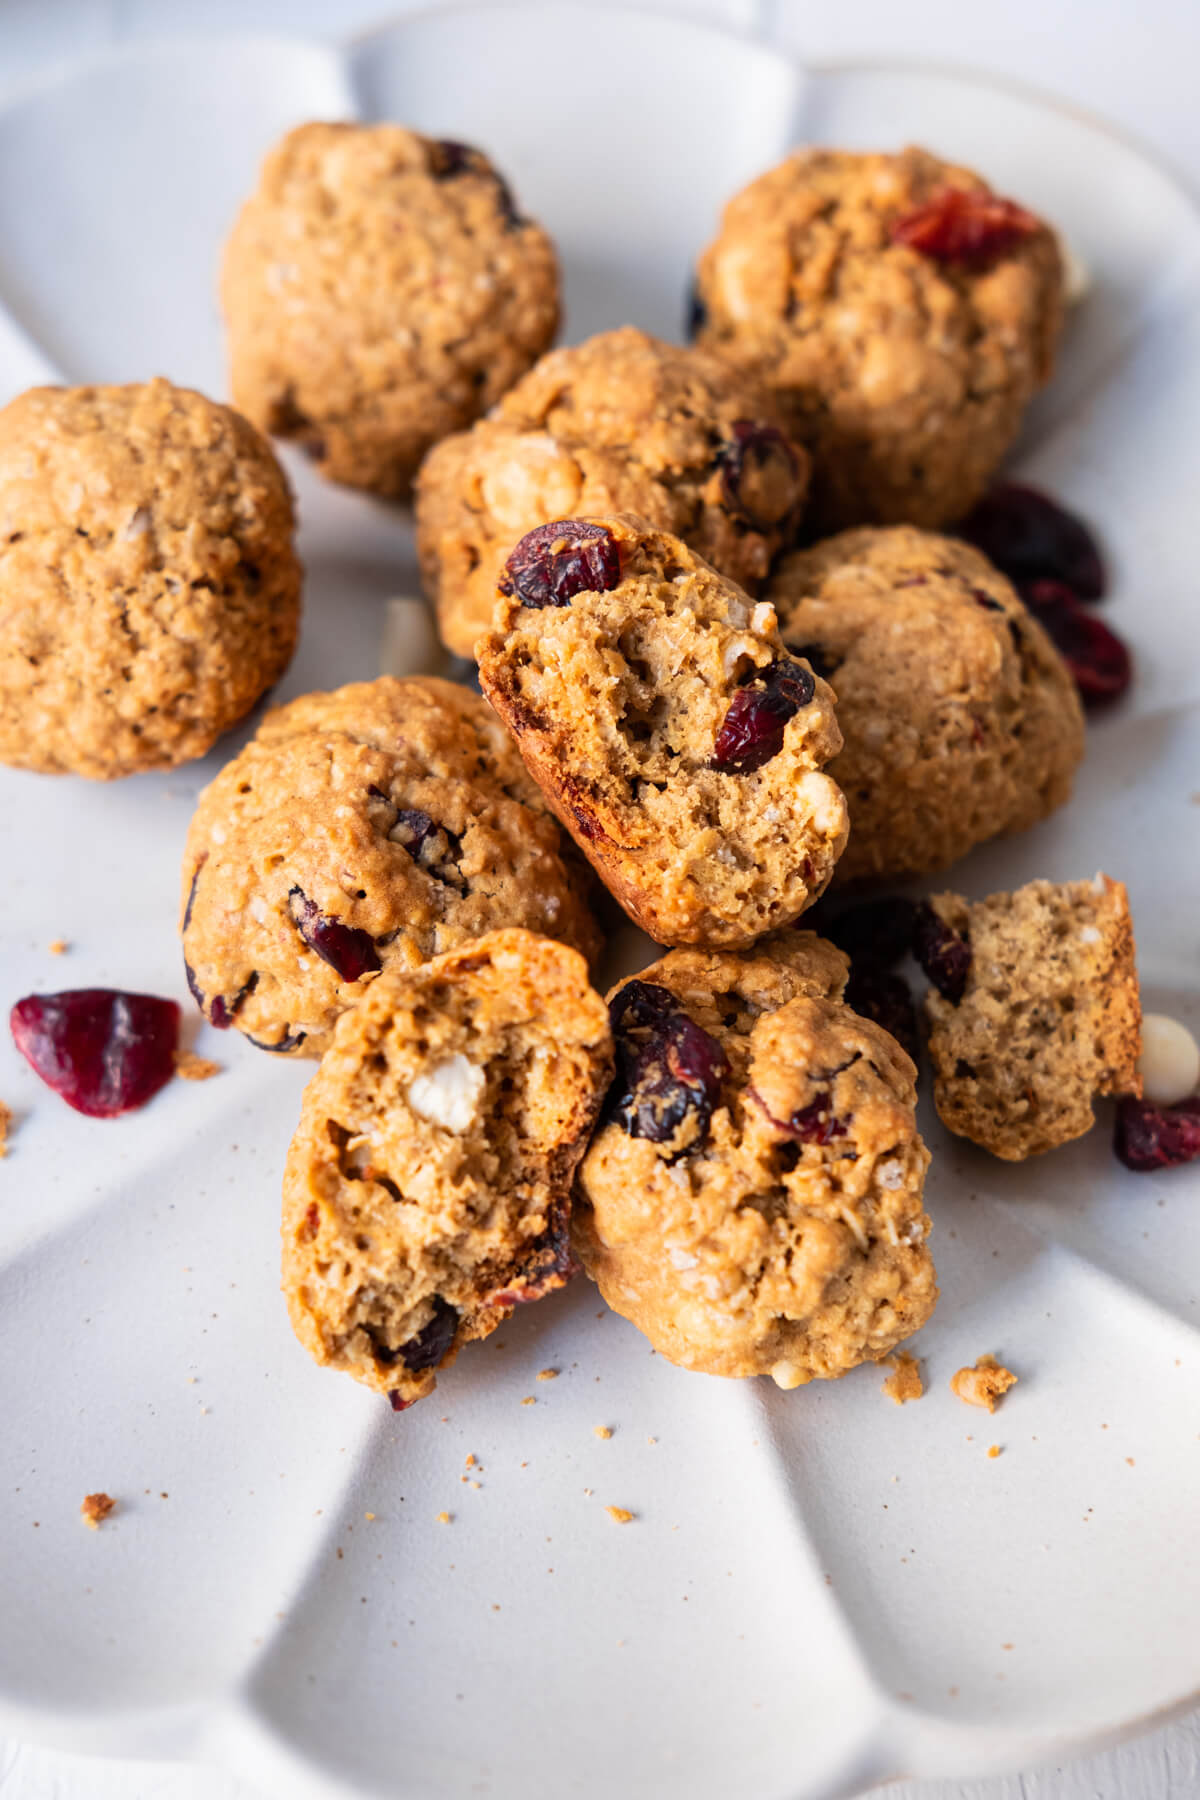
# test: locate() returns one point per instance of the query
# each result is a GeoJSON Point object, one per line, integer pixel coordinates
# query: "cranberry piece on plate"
{"type": "Point", "coordinates": [964, 225]}
{"type": "Point", "coordinates": [944, 955]}
{"type": "Point", "coordinates": [1157, 1137]}
{"type": "Point", "coordinates": [752, 730]}
{"type": "Point", "coordinates": [348, 950]}
{"type": "Point", "coordinates": [1098, 660]}
{"type": "Point", "coordinates": [104, 1051]}
{"type": "Point", "coordinates": [1030, 537]}
{"type": "Point", "coordinates": [554, 562]}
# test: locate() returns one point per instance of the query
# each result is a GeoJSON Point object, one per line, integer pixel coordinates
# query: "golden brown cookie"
{"type": "Point", "coordinates": [380, 290]}
{"type": "Point", "coordinates": [621, 423]}
{"type": "Point", "coordinates": [372, 827]}
{"type": "Point", "coordinates": [960, 719]}
{"type": "Point", "coordinates": [149, 591]}
{"type": "Point", "coordinates": [1034, 1011]}
{"type": "Point", "coordinates": [903, 314]}
{"type": "Point", "coordinates": [427, 1188]}
{"type": "Point", "coordinates": [677, 742]}
{"type": "Point", "coordinates": [752, 1199]}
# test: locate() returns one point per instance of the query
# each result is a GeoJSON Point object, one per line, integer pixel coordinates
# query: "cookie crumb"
{"type": "Point", "coordinates": [984, 1385]}
{"type": "Point", "coordinates": [547, 1374]}
{"type": "Point", "coordinates": [993, 1450]}
{"type": "Point", "coordinates": [96, 1508]}
{"type": "Point", "coordinates": [904, 1383]}
{"type": "Point", "coordinates": [443, 1518]}
{"type": "Point", "coordinates": [470, 1459]}
{"type": "Point", "coordinates": [5, 1127]}
{"type": "Point", "coordinates": [190, 1067]}
{"type": "Point", "coordinates": [601, 1431]}
{"type": "Point", "coordinates": [368, 1516]}
{"type": "Point", "coordinates": [59, 947]}
{"type": "Point", "coordinates": [529, 1400]}
{"type": "Point", "coordinates": [620, 1515]}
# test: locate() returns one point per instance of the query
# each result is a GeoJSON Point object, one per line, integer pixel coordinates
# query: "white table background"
{"type": "Point", "coordinates": [1134, 61]}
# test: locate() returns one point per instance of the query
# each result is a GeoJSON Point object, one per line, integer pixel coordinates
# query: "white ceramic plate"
{"type": "Point", "coordinates": [820, 1589]}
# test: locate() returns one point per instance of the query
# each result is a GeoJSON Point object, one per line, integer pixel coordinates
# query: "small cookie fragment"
{"type": "Point", "coordinates": [675, 738]}
{"type": "Point", "coordinates": [904, 1383]}
{"type": "Point", "coordinates": [752, 1200]}
{"type": "Point", "coordinates": [1038, 1013]}
{"type": "Point", "coordinates": [190, 1067]}
{"type": "Point", "coordinates": [6, 1119]}
{"type": "Point", "coordinates": [95, 1509]}
{"type": "Point", "coordinates": [622, 422]}
{"type": "Point", "coordinates": [428, 1187]}
{"type": "Point", "coordinates": [380, 290]}
{"type": "Point", "coordinates": [984, 1385]}
{"type": "Point", "coordinates": [620, 1515]}
{"type": "Point", "coordinates": [58, 947]}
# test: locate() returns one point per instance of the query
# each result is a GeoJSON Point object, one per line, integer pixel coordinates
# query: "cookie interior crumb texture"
{"type": "Point", "coordinates": [1050, 1016]}
{"type": "Point", "coordinates": [149, 591]}
{"type": "Point", "coordinates": [380, 290]}
{"type": "Point", "coordinates": [95, 1508]}
{"type": "Point", "coordinates": [622, 422]}
{"type": "Point", "coordinates": [427, 1188]}
{"type": "Point", "coordinates": [752, 1200]}
{"type": "Point", "coordinates": [984, 1385]}
{"type": "Point", "coordinates": [677, 742]}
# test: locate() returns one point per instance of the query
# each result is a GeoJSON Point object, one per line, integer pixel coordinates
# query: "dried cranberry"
{"type": "Point", "coordinates": [348, 950]}
{"type": "Point", "coordinates": [1097, 658]}
{"type": "Point", "coordinates": [752, 730]}
{"type": "Point", "coordinates": [433, 847]}
{"type": "Point", "coordinates": [965, 225]}
{"type": "Point", "coordinates": [104, 1051]}
{"type": "Point", "coordinates": [878, 932]}
{"type": "Point", "coordinates": [823, 662]}
{"type": "Point", "coordinates": [454, 158]}
{"type": "Point", "coordinates": [554, 562]}
{"type": "Point", "coordinates": [429, 1346]}
{"type": "Point", "coordinates": [397, 1401]}
{"type": "Point", "coordinates": [669, 1070]}
{"type": "Point", "coordinates": [985, 600]}
{"type": "Point", "coordinates": [943, 953]}
{"type": "Point", "coordinates": [815, 1123]}
{"type": "Point", "coordinates": [1030, 537]}
{"type": "Point", "coordinates": [696, 317]}
{"type": "Point", "coordinates": [886, 999]}
{"type": "Point", "coordinates": [1157, 1137]}
{"type": "Point", "coordinates": [758, 474]}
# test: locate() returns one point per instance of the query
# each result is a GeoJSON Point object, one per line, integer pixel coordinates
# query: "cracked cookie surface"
{"type": "Point", "coordinates": [752, 1199]}
{"type": "Point", "coordinates": [372, 827]}
{"type": "Point", "coordinates": [427, 1188]}
{"type": "Point", "coordinates": [149, 591]}
{"type": "Point", "coordinates": [380, 291]}
{"type": "Point", "coordinates": [904, 369]}
{"type": "Point", "coordinates": [621, 423]}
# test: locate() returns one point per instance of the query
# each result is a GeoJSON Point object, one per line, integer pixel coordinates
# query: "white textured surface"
{"type": "Point", "coordinates": [1139, 68]}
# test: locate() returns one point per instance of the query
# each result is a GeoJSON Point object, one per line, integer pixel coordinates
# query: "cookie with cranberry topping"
{"type": "Point", "coordinates": [672, 733]}
{"type": "Point", "coordinates": [903, 314]}
{"type": "Point", "coordinates": [428, 1187]}
{"type": "Point", "coordinates": [621, 423]}
{"type": "Point", "coordinates": [960, 718]}
{"type": "Point", "coordinates": [372, 827]}
{"type": "Point", "coordinates": [752, 1200]}
{"type": "Point", "coordinates": [381, 290]}
{"type": "Point", "coordinates": [149, 590]}
{"type": "Point", "coordinates": [1033, 1012]}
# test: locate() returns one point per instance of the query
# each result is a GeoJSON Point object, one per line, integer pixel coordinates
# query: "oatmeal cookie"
{"type": "Point", "coordinates": [621, 423]}
{"type": "Point", "coordinates": [752, 1198]}
{"type": "Point", "coordinates": [149, 591]}
{"type": "Point", "coordinates": [1034, 1011]}
{"type": "Point", "coordinates": [372, 827]}
{"type": "Point", "coordinates": [673, 736]}
{"type": "Point", "coordinates": [903, 314]}
{"type": "Point", "coordinates": [380, 290]}
{"type": "Point", "coordinates": [960, 718]}
{"type": "Point", "coordinates": [427, 1188]}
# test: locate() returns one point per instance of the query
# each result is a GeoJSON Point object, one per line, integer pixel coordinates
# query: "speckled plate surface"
{"type": "Point", "coordinates": [819, 1588]}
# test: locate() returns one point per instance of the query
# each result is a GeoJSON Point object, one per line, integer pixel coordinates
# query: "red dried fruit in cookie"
{"type": "Point", "coordinates": [452, 158]}
{"type": "Point", "coordinates": [815, 1123]}
{"type": "Point", "coordinates": [943, 953]}
{"type": "Point", "coordinates": [1098, 660]}
{"type": "Point", "coordinates": [752, 730]}
{"type": "Point", "coordinates": [429, 1346]}
{"type": "Point", "coordinates": [669, 1069]}
{"type": "Point", "coordinates": [965, 225]}
{"type": "Point", "coordinates": [104, 1051]}
{"type": "Point", "coordinates": [1030, 537]}
{"type": "Point", "coordinates": [554, 562]}
{"type": "Point", "coordinates": [397, 1402]}
{"type": "Point", "coordinates": [1157, 1137]}
{"type": "Point", "coordinates": [348, 950]}
{"type": "Point", "coordinates": [758, 474]}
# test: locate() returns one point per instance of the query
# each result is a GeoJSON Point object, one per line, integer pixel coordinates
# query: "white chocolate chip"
{"type": "Point", "coordinates": [762, 619]}
{"type": "Point", "coordinates": [1170, 1061]}
{"type": "Point", "coordinates": [449, 1094]}
{"type": "Point", "coordinates": [787, 1375]}
{"type": "Point", "coordinates": [681, 1259]}
{"type": "Point", "coordinates": [890, 1175]}
{"type": "Point", "coordinates": [1091, 934]}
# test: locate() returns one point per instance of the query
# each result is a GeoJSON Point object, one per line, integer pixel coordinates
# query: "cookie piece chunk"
{"type": "Point", "coordinates": [1034, 1011]}
{"type": "Point", "coordinates": [372, 827]}
{"type": "Point", "coordinates": [752, 1199]}
{"type": "Point", "coordinates": [903, 314]}
{"type": "Point", "coordinates": [149, 591]}
{"type": "Point", "coordinates": [621, 423]}
{"type": "Point", "coordinates": [427, 1189]}
{"type": "Point", "coordinates": [673, 735]}
{"type": "Point", "coordinates": [961, 720]}
{"type": "Point", "coordinates": [380, 290]}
